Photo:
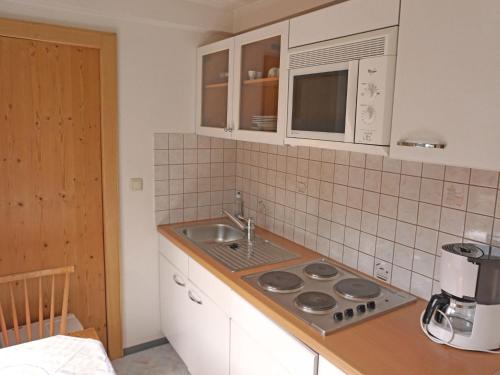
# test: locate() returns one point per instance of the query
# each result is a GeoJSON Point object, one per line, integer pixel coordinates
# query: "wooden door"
{"type": "Point", "coordinates": [51, 199]}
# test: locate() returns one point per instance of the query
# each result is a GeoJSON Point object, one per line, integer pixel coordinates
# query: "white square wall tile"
{"type": "Point", "coordinates": [452, 221]}
{"type": "Point", "coordinates": [356, 177]}
{"type": "Point", "coordinates": [484, 178]}
{"type": "Point", "coordinates": [161, 187]}
{"type": "Point", "coordinates": [391, 165]}
{"type": "Point", "coordinates": [482, 200]}
{"type": "Point", "coordinates": [367, 243]}
{"type": "Point", "coordinates": [410, 187]}
{"type": "Point", "coordinates": [407, 211]}
{"type": "Point", "coordinates": [388, 206]}
{"type": "Point", "coordinates": [373, 180]}
{"type": "Point", "coordinates": [350, 257]}
{"type": "Point", "coordinates": [353, 218]}
{"type": "Point", "coordinates": [366, 263]}
{"type": "Point", "coordinates": [371, 202]}
{"type": "Point", "coordinates": [405, 233]}
{"type": "Point", "coordinates": [421, 286]}
{"type": "Point", "coordinates": [403, 256]}
{"type": "Point", "coordinates": [351, 238]}
{"type": "Point", "coordinates": [374, 162]}
{"type": "Point", "coordinates": [325, 210]}
{"type": "Point", "coordinates": [337, 232]}
{"type": "Point", "coordinates": [455, 195]}
{"type": "Point", "coordinates": [411, 168]}
{"type": "Point", "coordinates": [423, 263]}
{"type": "Point", "coordinates": [429, 215]}
{"type": "Point", "coordinates": [457, 174]}
{"type": "Point", "coordinates": [401, 278]}
{"type": "Point", "coordinates": [386, 228]}
{"type": "Point", "coordinates": [478, 227]}
{"type": "Point", "coordinates": [339, 213]}
{"type": "Point", "coordinates": [324, 228]}
{"type": "Point", "coordinates": [369, 223]}
{"type": "Point", "coordinates": [431, 191]}
{"type": "Point", "coordinates": [384, 249]}
{"type": "Point", "coordinates": [176, 141]}
{"type": "Point", "coordinates": [390, 183]}
{"type": "Point", "coordinates": [495, 240]}
{"type": "Point", "coordinates": [161, 141]}
{"type": "Point", "coordinates": [336, 251]}
{"type": "Point", "coordinates": [434, 171]}
{"type": "Point", "coordinates": [426, 239]}
{"type": "Point", "coordinates": [161, 157]}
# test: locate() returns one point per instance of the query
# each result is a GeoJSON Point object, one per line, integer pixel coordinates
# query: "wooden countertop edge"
{"type": "Point", "coordinates": [302, 331]}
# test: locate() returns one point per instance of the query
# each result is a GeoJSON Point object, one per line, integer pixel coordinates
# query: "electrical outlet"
{"type": "Point", "coordinates": [383, 270]}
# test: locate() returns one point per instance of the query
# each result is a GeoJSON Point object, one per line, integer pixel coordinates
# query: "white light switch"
{"type": "Point", "coordinates": [136, 184]}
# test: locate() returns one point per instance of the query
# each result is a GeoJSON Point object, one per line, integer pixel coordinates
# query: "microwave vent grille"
{"type": "Point", "coordinates": [338, 53]}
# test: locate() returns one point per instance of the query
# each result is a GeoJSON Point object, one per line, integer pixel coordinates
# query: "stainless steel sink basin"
{"type": "Point", "coordinates": [213, 233]}
{"type": "Point", "coordinates": [229, 245]}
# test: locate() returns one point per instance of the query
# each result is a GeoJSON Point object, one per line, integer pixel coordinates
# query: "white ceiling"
{"type": "Point", "coordinates": [224, 4]}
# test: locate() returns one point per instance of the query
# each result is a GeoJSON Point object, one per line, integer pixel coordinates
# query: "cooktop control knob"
{"type": "Point", "coordinates": [349, 313]}
{"type": "Point", "coordinates": [361, 309]}
{"type": "Point", "coordinates": [370, 305]}
{"type": "Point", "coordinates": [338, 316]}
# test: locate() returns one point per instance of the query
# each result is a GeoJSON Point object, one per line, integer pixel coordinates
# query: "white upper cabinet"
{"type": "Point", "coordinates": [346, 18]}
{"type": "Point", "coordinates": [261, 79]}
{"type": "Point", "coordinates": [447, 91]}
{"type": "Point", "coordinates": [215, 88]}
{"type": "Point", "coordinates": [242, 86]}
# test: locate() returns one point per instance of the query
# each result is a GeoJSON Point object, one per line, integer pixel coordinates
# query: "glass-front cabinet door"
{"type": "Point", "coordinates": [215, 83]}
{"type": "Point", "coordinates": [261, 77]}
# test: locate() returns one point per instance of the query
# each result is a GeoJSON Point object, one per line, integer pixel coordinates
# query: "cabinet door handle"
{"type": "Point", "coordinates": [194, 299]}
{"type": "Point", "coordinates": [176, 280]}
{"type": "Point", "coordinates": [421, 144]}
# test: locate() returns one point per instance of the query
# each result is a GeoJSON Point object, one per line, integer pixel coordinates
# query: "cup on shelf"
{"type": "Point", "coordinates": [253, 74]}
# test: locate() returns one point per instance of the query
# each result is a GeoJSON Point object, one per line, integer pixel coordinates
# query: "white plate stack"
{"type": "Point", "coordinates": [266, 123]}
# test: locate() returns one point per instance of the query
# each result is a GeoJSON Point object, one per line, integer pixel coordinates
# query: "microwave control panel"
{"type": "Point", "coordinates": [375, 97]}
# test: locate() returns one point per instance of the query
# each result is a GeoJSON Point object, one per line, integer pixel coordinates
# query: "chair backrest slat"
{"type": "Point", "coordinates": [40, 308]}
{"type": "Point", "coordinates": [3, 326]}
{"type": "Point", "coordinates": [64, 311]}
{"type": "Point", "coordinates": [14, 314]}
{"type": "Point", "coordinates": [52, 305]}
{"type": "Point", "coordinates": [27, 311]}
{"type": "Point", "coordinates": [13, 280]}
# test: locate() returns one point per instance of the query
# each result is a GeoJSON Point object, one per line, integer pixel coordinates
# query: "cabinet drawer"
{"type": "Point", "coordinates": [293, 355]}
{"type": "Point", "coordinates": [175, 255]}
{"type": "Point", "coordinates": [215, 289]}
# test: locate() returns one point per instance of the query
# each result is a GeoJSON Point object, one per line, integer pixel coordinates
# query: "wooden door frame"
{"type": "Point", "coordinates": [106, 44]}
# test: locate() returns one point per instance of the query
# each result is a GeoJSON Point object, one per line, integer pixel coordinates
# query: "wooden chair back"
{"type": "Point", "coordinates": [36, 278]}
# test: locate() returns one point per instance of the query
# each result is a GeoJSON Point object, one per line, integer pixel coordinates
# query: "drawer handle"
{"type": "Point", "coordinates": [194, 299]}
{"type": "Point", "coordinates": [422, 144]}
{"type": "Point", "coordinates": [176, 280]}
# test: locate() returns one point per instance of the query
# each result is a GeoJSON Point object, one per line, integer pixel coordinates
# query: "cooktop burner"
{"type": "Point", "coordinates": [357, 289]}
{"type": "Point", "coordinates": [315, 302]}
{"type": "Point", "coordinates": [320, 271]}
{"type": "Point", "coordinates": [280, 282]}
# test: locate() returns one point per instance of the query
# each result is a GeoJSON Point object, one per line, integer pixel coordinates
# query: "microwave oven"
{"type": "Point", "coordinates": [342, 90]}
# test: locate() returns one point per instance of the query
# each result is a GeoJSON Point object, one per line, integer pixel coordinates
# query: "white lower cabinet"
{"type": "Point", "coordinates": [173, 307]}
{"type": "Point", "coordinates": [195, 326]}
{"type": "Point", "coordinates": [217, 332]}
{"type": "Point", "coordinates": [327, 368]}
{"type": "Point", "coordinates": [248, 356]}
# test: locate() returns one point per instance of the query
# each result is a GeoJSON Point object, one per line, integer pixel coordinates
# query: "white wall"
{"type": "Point", "coordinates": [156, 44]}
{"type": "Point", "coordinates": [265, 11]}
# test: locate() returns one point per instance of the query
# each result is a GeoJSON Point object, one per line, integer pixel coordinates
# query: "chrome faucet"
{"type": "Point", "coordinates": [244, 223]}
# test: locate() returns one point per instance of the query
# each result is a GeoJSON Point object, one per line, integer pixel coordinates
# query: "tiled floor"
{"type": "Point", "coordinates": [162, 360]}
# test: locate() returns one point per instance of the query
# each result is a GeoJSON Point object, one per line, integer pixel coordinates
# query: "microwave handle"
{"type": "Point", "coordinates": [352, 95]}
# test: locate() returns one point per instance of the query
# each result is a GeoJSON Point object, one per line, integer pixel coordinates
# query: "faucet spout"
{"type": "Point", "coordinates": [245, 224]}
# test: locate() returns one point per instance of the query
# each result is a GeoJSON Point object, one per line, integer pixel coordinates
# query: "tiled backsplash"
{"type": "Point", "coordinates": [382, 216]}
{"type": "Point", "coordinates": [194, 176]}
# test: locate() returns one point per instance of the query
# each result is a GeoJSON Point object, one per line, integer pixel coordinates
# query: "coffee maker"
{"type": "Point", "coordinates": [466, 314]}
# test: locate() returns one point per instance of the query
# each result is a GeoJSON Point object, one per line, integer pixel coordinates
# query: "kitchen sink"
{"type": "Point", "coordinates": [229, 246]}
{"type": "Point", "coordinates": [213, 233]}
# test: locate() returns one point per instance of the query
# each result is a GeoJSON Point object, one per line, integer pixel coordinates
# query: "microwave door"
{"type": "Point", "coordinates": [322, 102]}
